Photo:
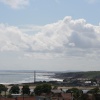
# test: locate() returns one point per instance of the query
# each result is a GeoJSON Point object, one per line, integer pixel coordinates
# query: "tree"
{"type": "Point", "coordinates": [26, 89]}
{"type": "Point", "coordinates": [85, 97]}
{"type": "Point", "coordinates": [94, 92]}
{"type": "Point", "coordinates": [44, 88]}
{"type": "Point", "coordinates": [38, 89]}
{"type": "Point", "coordinates": [55, 87]}
{"type": "Point", "coordinates": [3, 88]}
{"type": "Point", "coordinates": [76, 93]}
{"type": "Point", "coordinates": [14, 89]}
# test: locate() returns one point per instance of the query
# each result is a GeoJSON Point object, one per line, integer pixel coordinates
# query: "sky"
{"type": "Point", "coordinates": [52, 35]}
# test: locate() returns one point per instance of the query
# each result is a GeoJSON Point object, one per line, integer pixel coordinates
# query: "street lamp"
{"type": "Point", "coordinates": [71, 95]}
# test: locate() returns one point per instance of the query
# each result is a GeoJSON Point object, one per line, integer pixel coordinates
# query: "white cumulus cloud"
{"type": "Point", "coordinates": [65, 38]}
{"type": "Point", "coordinates": [16, 3]}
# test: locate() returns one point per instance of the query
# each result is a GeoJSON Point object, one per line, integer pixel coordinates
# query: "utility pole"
{"type": "Point", "coordinates": [34, 76]}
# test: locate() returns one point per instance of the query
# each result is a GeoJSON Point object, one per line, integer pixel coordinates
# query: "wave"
{"type": "Point", "coordinates": [16, 77]}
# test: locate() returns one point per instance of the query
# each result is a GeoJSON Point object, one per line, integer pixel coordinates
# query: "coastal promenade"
{"type": "Point", "coordinates": [32, 86]}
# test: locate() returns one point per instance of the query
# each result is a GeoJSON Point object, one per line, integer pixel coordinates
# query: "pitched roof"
{"type": "Point", "coordinates": [66, 96]}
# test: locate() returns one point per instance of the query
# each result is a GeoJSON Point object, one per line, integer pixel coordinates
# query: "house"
{"type": "Point", "coordinates": [60, 95]}
{"type": "Point", "coordinates": [88, 83]}
{"type": "Point", "coordinates": [66, 96]}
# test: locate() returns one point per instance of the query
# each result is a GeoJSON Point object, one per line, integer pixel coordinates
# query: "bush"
{"type": "Point", "coordinates": [26, 89]}
{"type": "Point", "coordinates": [44, 88]}
{"type": "Point", "coordinates": [14, 89]}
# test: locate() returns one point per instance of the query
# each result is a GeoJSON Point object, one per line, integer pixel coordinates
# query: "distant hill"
{"type": "Point", "coordinates": [89, 74]}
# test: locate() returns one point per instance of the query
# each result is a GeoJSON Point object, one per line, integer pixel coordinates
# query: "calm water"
{"type": "Point", "coordinates": [7, 77]}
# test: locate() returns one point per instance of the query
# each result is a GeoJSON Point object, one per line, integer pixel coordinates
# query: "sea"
{"type": "Point", "coordinates": [25, 76]}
